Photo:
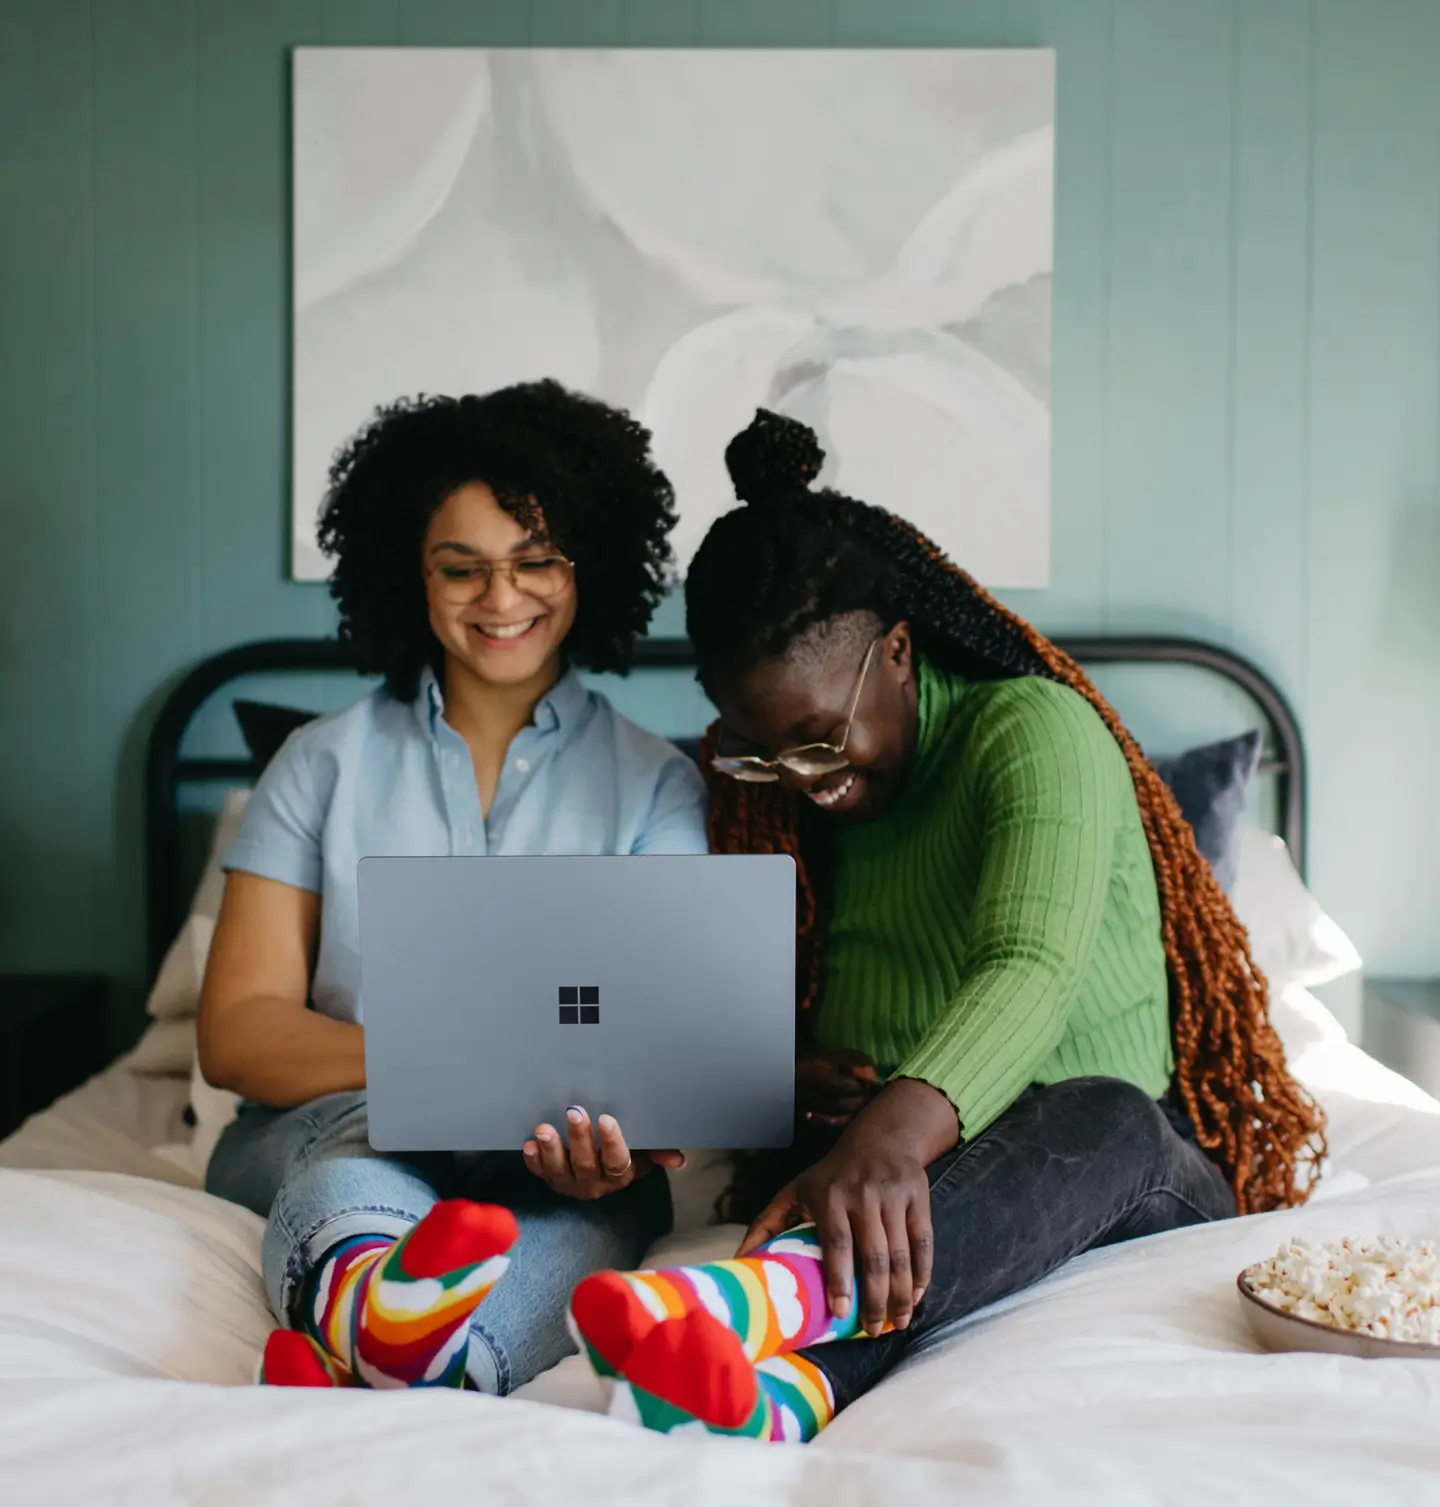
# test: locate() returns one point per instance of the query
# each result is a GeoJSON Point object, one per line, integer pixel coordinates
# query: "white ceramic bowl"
{"type": "Point", "coordinates": [1277, 1330]}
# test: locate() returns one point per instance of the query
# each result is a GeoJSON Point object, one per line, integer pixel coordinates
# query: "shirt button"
{"type": "Point", "coordinates": [523, 765]}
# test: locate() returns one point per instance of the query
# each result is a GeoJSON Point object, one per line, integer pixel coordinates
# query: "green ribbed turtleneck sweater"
{"type": "Point", "coordinates": [999, 925]}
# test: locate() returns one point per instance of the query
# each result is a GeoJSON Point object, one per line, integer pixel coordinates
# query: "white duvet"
{"type": "Point", "coordinates": [131, 1313]}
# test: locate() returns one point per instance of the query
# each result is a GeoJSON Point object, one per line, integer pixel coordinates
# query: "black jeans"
{"type": "Point", "coordinates": [1069, 1167]}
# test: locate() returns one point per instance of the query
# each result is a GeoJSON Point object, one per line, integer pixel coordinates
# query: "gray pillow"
{"type": "Point", "coordinates": [1210, 785]}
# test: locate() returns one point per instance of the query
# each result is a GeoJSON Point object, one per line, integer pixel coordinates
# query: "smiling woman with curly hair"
{"type": "Point", "coordinates": [550, 457]}
{"type": "Point", "coordinates": [483, 546]}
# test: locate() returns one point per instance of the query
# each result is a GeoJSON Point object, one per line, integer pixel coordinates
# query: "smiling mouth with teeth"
{"type": "Point", "coordinates": [836, 793]}
{"type": "Point", "coordinates": [505, 632]}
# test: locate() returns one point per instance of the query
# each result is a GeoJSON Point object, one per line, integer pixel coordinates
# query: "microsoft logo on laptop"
{"type": "Point", "coordinates": [580, 1006]}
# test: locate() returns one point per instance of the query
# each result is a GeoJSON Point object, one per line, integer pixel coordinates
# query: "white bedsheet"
{"type": "Point", "coordinates": [131, 1313]}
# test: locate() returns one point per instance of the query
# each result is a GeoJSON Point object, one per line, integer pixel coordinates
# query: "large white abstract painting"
{"type": "Point", "coordinates": [861, 239]}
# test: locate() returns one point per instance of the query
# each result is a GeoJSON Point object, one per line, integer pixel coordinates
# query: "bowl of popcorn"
{"type": "Point", "coordinates": [1373, 1298]}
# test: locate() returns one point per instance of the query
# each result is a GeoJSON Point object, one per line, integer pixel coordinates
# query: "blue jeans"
{"type": "Point", "coordinates": [312, 1174]}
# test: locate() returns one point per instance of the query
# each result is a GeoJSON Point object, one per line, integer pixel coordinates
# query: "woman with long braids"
{"type": "Point", "coordinates": [1029, 1020]}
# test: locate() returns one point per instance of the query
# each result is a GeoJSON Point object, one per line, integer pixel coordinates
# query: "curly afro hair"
{"type": "Point", "coordinates": [542, 450]}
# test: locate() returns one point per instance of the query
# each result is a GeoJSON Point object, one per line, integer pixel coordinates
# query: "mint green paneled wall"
{"type": "Point", "coordinates": [1247, 379]}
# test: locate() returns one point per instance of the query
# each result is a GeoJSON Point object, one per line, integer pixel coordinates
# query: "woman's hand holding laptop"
{"type": "Point", "coordinates": [595, 1164]}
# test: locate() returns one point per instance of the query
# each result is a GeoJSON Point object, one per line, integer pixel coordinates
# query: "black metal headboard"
{"type": "Point", "coordinates": [167, 769]}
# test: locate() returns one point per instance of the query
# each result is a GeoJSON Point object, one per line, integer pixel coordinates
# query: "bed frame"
{"type": "Point", "coordinates": [168, 768]}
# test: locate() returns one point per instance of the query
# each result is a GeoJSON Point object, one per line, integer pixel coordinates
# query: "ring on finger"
{"type": "Point", "coordinates": [622, 1173]}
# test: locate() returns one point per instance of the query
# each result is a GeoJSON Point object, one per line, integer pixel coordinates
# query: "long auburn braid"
{"type": "Point", "coordinates": [797, 557]}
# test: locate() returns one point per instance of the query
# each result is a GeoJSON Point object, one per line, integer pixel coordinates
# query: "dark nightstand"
{"type": "Point", "coordinates": [54, 1034]}
{"type": "Point", "coordinates": [1402, 1028]}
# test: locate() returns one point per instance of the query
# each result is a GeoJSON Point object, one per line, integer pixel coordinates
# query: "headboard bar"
{"type": "Point", "coordinates": [1288, 763]}
{"type": "Point", "coordinates": [166, 770]}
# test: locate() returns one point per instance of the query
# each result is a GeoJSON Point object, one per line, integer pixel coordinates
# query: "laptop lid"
{"type": "Point", "coordinates": [495, 992]}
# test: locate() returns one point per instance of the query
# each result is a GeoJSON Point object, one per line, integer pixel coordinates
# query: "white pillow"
{"type": "Point", "coordinates": [1291, 938]}
{"type": "Point", "coordinates": [103, 1275]}
{"type": "Point", "coordinates": [166, 1050]}
{"type": "Point", "coordinates": [213, 1108]}
{"type": "Point", "coordinates": [175, 1000]}
{"type": "Point", "coordinates": [176, 994]}
{"type": "Point", "coordinates": [1302, 1022]}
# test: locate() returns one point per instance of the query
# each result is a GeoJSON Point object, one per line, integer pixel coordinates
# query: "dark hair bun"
{"type": "Point", "coordinates": [773, 459]}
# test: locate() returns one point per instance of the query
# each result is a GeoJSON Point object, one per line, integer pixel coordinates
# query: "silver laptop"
{"type": "Point", "coordinates": [495, 992]}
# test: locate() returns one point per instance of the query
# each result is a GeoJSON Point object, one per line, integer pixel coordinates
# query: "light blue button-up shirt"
{"type": "Point", "coordinates": [393, 778]}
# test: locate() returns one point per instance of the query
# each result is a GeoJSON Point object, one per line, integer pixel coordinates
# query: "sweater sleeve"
{"type": "Point", "coordinates": [1043, 768]}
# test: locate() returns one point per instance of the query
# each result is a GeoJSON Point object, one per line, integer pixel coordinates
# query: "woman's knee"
{"type": "Point", "coordinates": [330, 1199]}
{"type": "Point", "coordinates": [1174, 1169]}
{"type": "Point", "coordinates": [1112, 1107]}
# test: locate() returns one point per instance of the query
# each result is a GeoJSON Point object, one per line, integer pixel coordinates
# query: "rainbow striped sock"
{"type": "Point", "coordinates": [774, 1301]}
{"type": "Point", "coordinates": [692, 1374]}
{"type": "Point", "coordinates": [292, 1359]}
{"type": "Point", "coordinates": [396, 1313]}
{"type": "Point", "coordinates": [715, 1344]}
{"type": "Point", "coordinates": [801, 1399]}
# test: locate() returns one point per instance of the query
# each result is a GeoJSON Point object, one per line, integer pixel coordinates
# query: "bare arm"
{"type": "Point", "coordinates": [256, 1036]}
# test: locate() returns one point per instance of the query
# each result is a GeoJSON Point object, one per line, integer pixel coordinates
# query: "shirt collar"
{"type": "Point", "coordinates": [561, 706]}
{"type": "Point", "coordinates": [558, 708]}
{"type": "Point", "coordinates": [429, 703]}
